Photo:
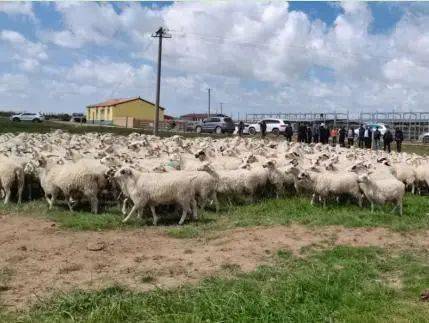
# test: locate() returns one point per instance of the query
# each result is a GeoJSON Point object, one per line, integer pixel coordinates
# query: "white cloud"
{"type": "Point", "coordinates": [13, 84]}
{"type": "Point", "coordinates": [256, 56]}
{"type": "Point", "coordinates": [17, 8]}
{"type": "Point", "coordinates": [18, 49]}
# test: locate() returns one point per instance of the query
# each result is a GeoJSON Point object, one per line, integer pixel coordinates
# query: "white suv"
{"type": "Point", "coordinates": [34, 117]}
{"type": "Point", "coordinates": [275, 126]}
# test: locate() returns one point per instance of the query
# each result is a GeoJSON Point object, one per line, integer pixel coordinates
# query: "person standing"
{"type": "Point", "coordinates": [361, 136]}
{"type": "Point", "coordinates": [324, 134]}
{"type": "Point", "coordinates": [377, 138]}
{"type": "Point", "coordinates": [387, 139]}
{"type": "Point", "coordinates": [350, 136]}
{"type": "Point", "coordinates": [399, 138]}
{"type": "Point", "coordinates": [367, 137]}
{"type": "Point", "coordinates": [315, 133]}
{"type": "Point", "coordinates": [240, 128]}
{"type": "Point", "coordinates": [288, 132]}
{"type": "Point", "coordinates": [263, 127]}
{"type": "Point", "coordinates": [342, 136]}
{"type": "Point", "coordinates": [334, 136]}
{"type": "Point", "coordinates": [309, 135]}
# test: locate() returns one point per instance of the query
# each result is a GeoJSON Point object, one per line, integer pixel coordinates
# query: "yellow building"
{"type": "Point", "coordinates": [113, 110]}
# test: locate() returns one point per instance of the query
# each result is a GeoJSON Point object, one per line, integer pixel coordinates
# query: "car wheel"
{"type": "Point", "coordinates": [198, 129]}
{"type": "Point", "coordinates": [426, 140]}
{"type": "Point", "coordinates": [218, 130]}
{"type": "Point", "coordinates": [252, 131]}
{"type": "Point", "coordinates": [276, 132]}
{"type": "Point", "coordinates": [16, 119]}
{"type": "Point", "coordinates": [36, 120]}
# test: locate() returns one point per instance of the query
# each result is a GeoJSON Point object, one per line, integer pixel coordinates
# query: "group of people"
{"type": "Point", "coordinates": [320, 133]}
{"type": "Point", "coordinates": [365, 136]}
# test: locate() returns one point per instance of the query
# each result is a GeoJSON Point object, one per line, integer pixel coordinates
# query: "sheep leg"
{"type": "Point", "coordinates": [155, 217]}
{"type": "Point", "coordinates": [194, 209]}
{"type": "Point", "coordinates": [20, 190]}
{"type": "Point", "coordinates": [94, 204]}
{"type": "Point", "coordinates": [313, 199]}
{"type": "Point", "coordinates": [7, 195]}
{"type": "Point", "coordinates": [133, 209]}
{"type": "Point", "coordinates": [400, 207]}
{"type": "Point", "coordinates": [124, 206]}
{"type": "Point", "coordinates": [183, 218]}
{"type": "Point", "coordinates": [216, 201]}
{"type": "Point", "coordinates": [413, 188]}
{"type": "Point", "coordinates": [52, 201]}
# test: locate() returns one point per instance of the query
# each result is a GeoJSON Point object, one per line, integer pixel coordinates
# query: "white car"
{"type": "Point", "coordinates": [381, 127]}
{"type": "Point", "coordinates": [275, 126]}
{"type": "Point", "coordinates": [34, 117]}
{"type": "Point", "coordinates": [424, 138]}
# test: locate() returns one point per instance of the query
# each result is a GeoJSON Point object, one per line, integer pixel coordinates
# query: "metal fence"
{"type": "Point", "coordinates": [413, 124]}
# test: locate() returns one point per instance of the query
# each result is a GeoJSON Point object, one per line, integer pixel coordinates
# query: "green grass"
{"type": "Point", "coordinates": [265, 212]}
{"type": "Point", "coordinates": [417, 149]}
{"type": "Point", "coordinates": [298, 210]}
{"type": "Point", "coordinates": [343, 284]}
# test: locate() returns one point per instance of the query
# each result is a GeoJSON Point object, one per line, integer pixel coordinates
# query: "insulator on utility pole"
{"type": "Point", "coordinates": [160, 34]}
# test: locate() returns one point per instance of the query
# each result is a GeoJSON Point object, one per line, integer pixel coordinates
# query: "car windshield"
{"type": "Point", "coordinates": [227, 119]}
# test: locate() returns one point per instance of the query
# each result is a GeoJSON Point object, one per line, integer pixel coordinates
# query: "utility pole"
{"type": "Point", "coordinates": [160, 34]}
{"type": "Point", "coordinates": [221, 107]}
{"type": "Point", "coordinates": [208, 115]}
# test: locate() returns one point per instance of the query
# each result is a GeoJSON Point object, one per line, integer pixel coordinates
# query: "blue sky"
{"type": "Point", "coordinates": [256, 56]}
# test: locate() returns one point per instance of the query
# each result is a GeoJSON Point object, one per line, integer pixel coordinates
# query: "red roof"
{"type": "Point", "coordinates": [114, 102]}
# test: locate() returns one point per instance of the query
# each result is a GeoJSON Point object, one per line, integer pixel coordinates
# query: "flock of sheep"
{"type": "Point", "coordinates": [177, 174]}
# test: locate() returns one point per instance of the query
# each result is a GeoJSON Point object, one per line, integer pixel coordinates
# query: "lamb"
{"type": "Point", "coordinates": [158, 189]}
{"type": "Point", "coordinates": [381, 191]}
{"type": "Point", "coordinates": [11, 172]}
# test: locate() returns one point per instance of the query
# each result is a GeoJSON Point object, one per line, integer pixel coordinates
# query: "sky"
{"type": "Point", "coordinates": [256, 56]}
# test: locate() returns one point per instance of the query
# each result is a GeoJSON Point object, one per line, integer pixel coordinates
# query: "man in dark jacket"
{"type": "Point", "coordinates": [377, 138]}
{"type": "Point", "coordinates": [361, 139]}
{"type": "Point", "coordinates": [342, 136]}
{"type": "Point", "coordinates": [399, 138]}
{"type": "Point", "coordinates": [315, 133]}
{"type": "Point", "coordinates": [288, 132]}
{"type": "Point", "coordinates": [240, 128]}
{"type": "Point", "coordinates": [324, 134]}
{"type": "Point", "coordinates": [387, 139]}
{"type": "Point", "coordinates": [302, 133]}
{"type": "Point", "coordinates": [263, 127]}
{"type": "Point", "coordinates": [309, 135]}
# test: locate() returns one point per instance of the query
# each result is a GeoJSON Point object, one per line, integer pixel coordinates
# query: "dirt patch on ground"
{"type": "Point", "coordinates": [44, 259]}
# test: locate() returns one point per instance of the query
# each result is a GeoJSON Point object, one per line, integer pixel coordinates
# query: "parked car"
{"type": "Point", "coordinates": [275, 126]}
{"type": "Point", "coordinates": [424, 138]}
{"type": "Point", "coordinates": [78, 117]}
{"type": "Point", "coordinates": [381, 127]}
{"type": "Point", "coordinates": [216, 125]}
{"type": "Point", "coordinates": [34, 117]}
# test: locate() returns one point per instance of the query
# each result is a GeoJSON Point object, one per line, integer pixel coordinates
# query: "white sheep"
{"type": "Point", "coordinates": [382, 190]}
{"type": "Point", "coordinates": [11, 172]}
{"type": "Point", "coordinates": [158, 189]}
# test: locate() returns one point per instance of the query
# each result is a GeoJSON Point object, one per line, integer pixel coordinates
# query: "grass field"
{"type": "Point", "coordinates": [265, 212]}
{"type": "Point", "coordinates": [340, 284]}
